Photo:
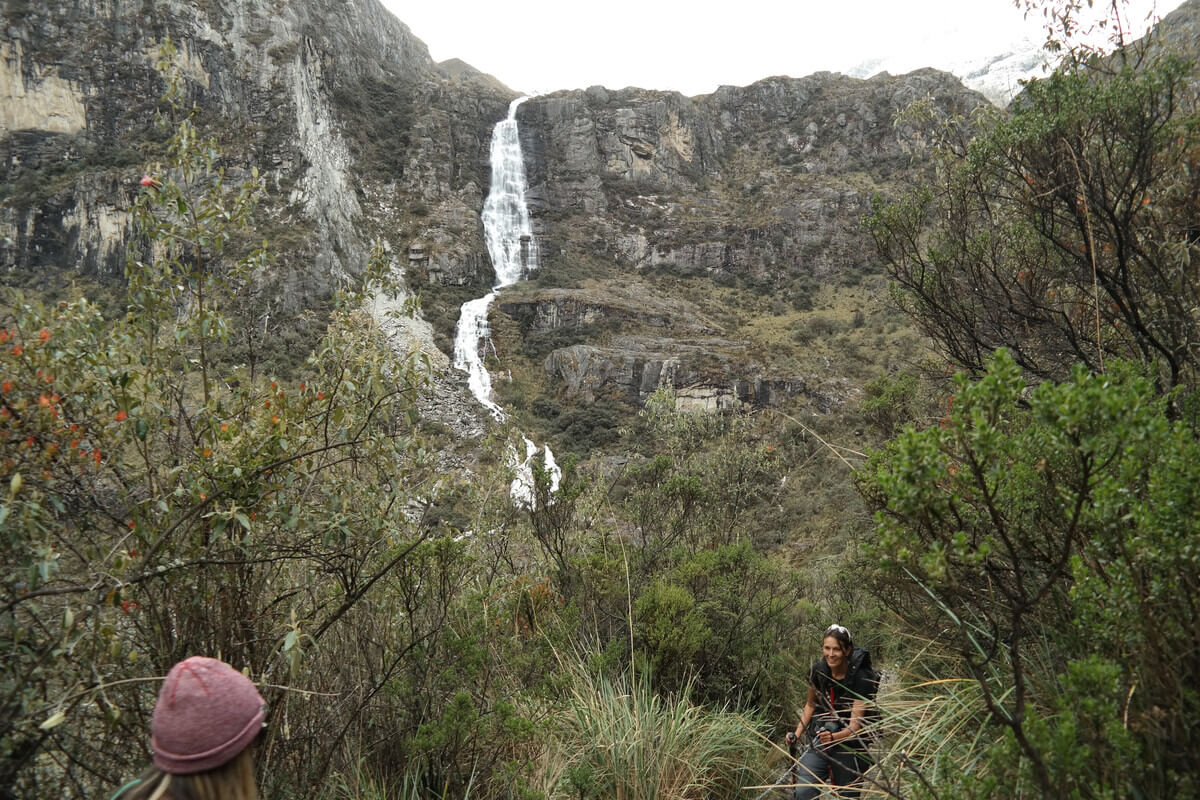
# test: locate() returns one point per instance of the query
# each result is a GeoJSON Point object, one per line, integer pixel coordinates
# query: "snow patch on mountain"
{"type": "Point", "coordinates": [998, 74]}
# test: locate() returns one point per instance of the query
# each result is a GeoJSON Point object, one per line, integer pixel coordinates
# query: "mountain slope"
{"type": "Point", "coordinates": [734, 215]}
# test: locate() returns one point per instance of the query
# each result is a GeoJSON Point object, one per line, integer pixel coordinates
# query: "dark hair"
{"type": "Point", "coordinates": [842, 635]}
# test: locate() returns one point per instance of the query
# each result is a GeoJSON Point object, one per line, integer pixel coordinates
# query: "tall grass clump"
{"type": "Point", "coordinates": [359, 782]}
{"type": "Point", "coordinates": [620, 740]}
{"type": "Point", "coordinates": [935, 734]}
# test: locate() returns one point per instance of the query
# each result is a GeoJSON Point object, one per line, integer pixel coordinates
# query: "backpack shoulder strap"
{"type": "Point", "coordinates": [821, 678]}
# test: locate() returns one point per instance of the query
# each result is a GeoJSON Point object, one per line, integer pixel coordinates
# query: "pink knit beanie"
{"type": "Point", "coordinates": [207, 713]}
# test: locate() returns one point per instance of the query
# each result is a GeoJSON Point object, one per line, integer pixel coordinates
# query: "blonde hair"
{"type": "Point", "coordinates": [233, 780]}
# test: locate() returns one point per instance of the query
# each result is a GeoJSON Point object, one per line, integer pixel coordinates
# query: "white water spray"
{"type": "Point", "coordinates": [513, 250]}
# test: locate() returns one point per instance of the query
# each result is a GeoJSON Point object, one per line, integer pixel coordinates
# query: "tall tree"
{"type": "Point", "coordinates": [1048, 534]}
{"type": "Point", "coordinates": [1065, 228]}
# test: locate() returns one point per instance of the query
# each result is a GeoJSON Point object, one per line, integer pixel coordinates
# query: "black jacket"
{"type": "Point", "coordinates": [861, 682]}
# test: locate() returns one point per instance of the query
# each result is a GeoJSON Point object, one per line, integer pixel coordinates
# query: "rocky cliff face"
{"type": "Point", "coordinates": [341, 106]}
{"type": "Point", "coordinates": [361, 136]}
{"type": "Point", "coordinates": [767, 179]}
{"type": "Point", "coordinates": [761, 187]}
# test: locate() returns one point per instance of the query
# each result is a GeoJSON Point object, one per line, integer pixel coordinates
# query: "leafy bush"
{"type": "Point", "coordinates": [583, 430]}
{"type": "Point", "coordinates": [891, 402]}
{"type": "Point", "coordinates": [1054, 534]}
{"type": "Point", "coordinates": [1026, 240]}
{"type": "Point", "coordinates": [161, 503]}
{"type": "Point", "coordinates": [724, 623]}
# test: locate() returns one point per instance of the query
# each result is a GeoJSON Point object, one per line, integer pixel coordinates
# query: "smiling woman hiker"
{"type": "Point", "coordinates": [841, 691]}
{"type": "Point", "coordinates": [206, 717]}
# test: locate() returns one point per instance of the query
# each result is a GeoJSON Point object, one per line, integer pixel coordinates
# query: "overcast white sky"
{"type": "Point", "coordinates": [695, 46]}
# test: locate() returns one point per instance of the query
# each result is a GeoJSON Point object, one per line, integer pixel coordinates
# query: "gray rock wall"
{"type": "Point", "coordinates": [768, 180]}
{"type": "Point", "coordinates": [282, 85]}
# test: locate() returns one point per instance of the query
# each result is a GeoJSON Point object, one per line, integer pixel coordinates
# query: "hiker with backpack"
{"type": "Point", "coordinates": [841, 694]}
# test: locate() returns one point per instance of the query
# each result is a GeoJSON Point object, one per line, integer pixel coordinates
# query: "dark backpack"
{"type": "Point", "coordinates": [860, 664]}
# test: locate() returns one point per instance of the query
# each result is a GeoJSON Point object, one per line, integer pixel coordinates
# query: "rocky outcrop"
{"type": "Point", "coordinates": [1179, 31]}
{"type": "Point", "coordinates": [704, 374]}
{"type": "Point", "coordinates": [635, 366]}
{"type": "Point", "coordinates": [761, 186]}
{"type": "Point", "coordinates": [620, 308]}
{"type": "Point", "coordinates": [36, 97]}
{"type": "Point", "coordinates": [767, 181]}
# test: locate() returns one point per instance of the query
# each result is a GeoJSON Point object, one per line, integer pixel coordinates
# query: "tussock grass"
{"type": "Point", "coordinates": [934, 724]}
{"type": "Point", "coordinates": [359, 783]}
{"type": "Point", "coordinates": [620, 740]}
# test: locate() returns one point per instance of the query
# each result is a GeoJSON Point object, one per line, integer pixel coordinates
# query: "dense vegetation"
{"type": "Point", "coordinates": [1044, 534]}
{"type": "Point", "coordinates": [641, 632]}
{"type": "Point", "coordinates": [411, 633]}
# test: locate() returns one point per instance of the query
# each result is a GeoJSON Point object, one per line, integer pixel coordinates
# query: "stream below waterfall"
{"type": "Point", "coordinates": [513, 249]}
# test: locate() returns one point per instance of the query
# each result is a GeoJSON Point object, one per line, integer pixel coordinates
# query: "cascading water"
{"type": "Point", "coordinates": [513, 250]}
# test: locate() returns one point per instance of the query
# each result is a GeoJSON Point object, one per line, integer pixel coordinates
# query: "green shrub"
{"type": "Point", "coordinates": [725, 622]}
{"type": "Point", "coordinates": [1051, 535]}
{"type": "Point", "coordinates": [161, 503]}
{"type": "Point", "coordinates": [890, 402]}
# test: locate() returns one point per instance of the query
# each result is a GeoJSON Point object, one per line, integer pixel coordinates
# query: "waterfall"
{"type": "Point", "coordinates": [513, 249]}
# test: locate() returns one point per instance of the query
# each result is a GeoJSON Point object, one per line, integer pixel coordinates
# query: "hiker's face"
{"type": "Point", "coordinates": [835, 656]}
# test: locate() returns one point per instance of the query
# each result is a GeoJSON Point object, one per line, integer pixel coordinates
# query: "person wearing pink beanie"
{"type": "Point", "coordinates": [207, 715]}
